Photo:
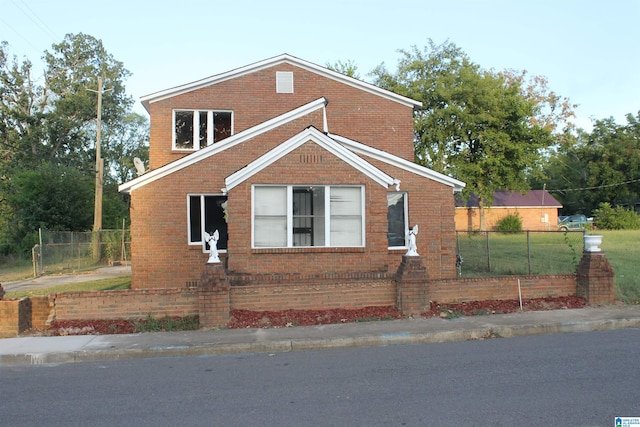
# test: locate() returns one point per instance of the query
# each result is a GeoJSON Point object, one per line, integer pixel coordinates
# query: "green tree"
{"type": "Point", "coordinates": [54, 197]}
{"type": "Point", "coordinates": [479, 126]}
{"type": "Point", "coordinates": [122, 142]}
{"type": "Point", "coordinates": [48, 123]}
{"type": "Point", "coordinates": [56, 120]}
{"type": "Point", "coordinates": [598, 167]}
{"type": "Point", "coordinates": [348, 68]}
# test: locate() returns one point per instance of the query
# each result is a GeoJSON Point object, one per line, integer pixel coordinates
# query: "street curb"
{"type": "Point", "coordinates": [304, 344]}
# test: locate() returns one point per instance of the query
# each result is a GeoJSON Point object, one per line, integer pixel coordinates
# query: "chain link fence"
{"type": "Point", "coordinates": [60, 251]}
{"type": "Point", "coordinates": [495, 253]}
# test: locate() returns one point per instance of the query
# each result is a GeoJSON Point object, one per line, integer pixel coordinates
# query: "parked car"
{"type": "Point", "coordinates": [574, 222]}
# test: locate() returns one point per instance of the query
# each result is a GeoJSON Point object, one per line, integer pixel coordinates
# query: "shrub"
{"type": "Point", "coordinates": [511, 222]}
{"type": "Point", "coordinates": [618, 218]}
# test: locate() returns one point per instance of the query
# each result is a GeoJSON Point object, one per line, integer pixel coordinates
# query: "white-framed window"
{"type": "Point", "coordinates": [397, 219]}
{"type": "Point", "coordinates": [195, 129]}
{"type": "Point", "coordinates": [308, 215]}
{"type": "Point", "coordinates": [207, 213]}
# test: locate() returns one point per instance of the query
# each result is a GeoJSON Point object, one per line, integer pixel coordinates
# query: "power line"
{"type": "Point", "coordinates": [594, 188]}
{"type": "Point", "coordinates": [18, 33]}
{"type": "Point", "coordinates": [33, 17]}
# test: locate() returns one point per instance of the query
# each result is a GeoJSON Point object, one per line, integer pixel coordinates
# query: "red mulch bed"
{"type": "Point", "coordinates": [287, 318]}
{"type": "Point", "coordinates": [474, 308]}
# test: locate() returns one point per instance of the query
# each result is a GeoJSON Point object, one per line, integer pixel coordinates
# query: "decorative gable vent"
{"type": "Point", "coordinates": [284, 82]}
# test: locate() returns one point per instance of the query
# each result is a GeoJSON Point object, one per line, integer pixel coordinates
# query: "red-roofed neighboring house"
{"type": "Point", "coordinates": [538, 210]}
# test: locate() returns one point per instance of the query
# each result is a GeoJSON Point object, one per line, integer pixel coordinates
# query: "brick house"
{"type": "Point", "coordinates": [538, 210]}
{"type": "Point", "coordinates": [304, 172]}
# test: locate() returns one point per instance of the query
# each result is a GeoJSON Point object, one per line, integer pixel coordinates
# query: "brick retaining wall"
{"type": "Point", "coordinates": [125, 304]}
{"type": "Point", "coordinates": [314, 296]}
{"type": "Point", "coordinates": [15, 317]}
{"type": "Point", "coordinates": [140, 303]}
{"type": "Point", "coordinates": [594, 280]}
{"type": "Point", "coordinates": [501, 288]}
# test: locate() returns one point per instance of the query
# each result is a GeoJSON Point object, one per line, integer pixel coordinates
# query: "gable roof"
{"type": "Point", "coordinates": [313, 135]}
{"type": "Point", "coordinates": [515, 199]}
{"type": "Point", "coordinates": [225, 144]}
{"type": "Point", "coordinates": [344, 148]}
{"type": "Point", "coordinates": [399, 162]}
{"type": "Point", "coordinates": [267, 63]}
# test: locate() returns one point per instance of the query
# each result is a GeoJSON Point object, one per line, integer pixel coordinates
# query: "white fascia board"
{"type": "Point", "coordinates": [399, 162]}
{"type": "Point", "coordinates": [309, 134]}
{"type": "Point", "coordinates": [223, 145]}
{"type": "Point", "coordinates": [238, 72]}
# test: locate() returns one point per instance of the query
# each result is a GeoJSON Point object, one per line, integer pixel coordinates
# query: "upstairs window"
{"type": "Point", "coordinates": [195, 129]}
{"type": "Point", "coordinates": [308, 216]}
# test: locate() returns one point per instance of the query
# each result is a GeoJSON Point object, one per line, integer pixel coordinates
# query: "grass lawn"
{"type": "Point", "coordinates": [115, 283]}
{"type": "Point", "coordinates": [622, 248]}
{"type": "Point", "coordinates": [552, 253]}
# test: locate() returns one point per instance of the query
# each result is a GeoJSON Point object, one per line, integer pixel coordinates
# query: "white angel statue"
{"type": "Point", "coordinates": [212, 240]}
{"type": "Point", "coordinates": [413, 249]}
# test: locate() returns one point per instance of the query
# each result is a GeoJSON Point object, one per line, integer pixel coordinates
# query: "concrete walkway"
{"type": "Point", "coordinates": [41, 350]}
{"type": "Point", "coordinates": [49, 280]}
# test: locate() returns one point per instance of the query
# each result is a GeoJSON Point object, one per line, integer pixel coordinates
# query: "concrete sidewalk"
{"type": "Point", "coordinates": [41, 350]}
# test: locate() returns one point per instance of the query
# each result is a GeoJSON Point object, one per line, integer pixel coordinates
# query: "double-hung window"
{"type": "Point", "coordinates": [397, 214]}
{"type": "Point", "coordinates": [207, 213]}
{"type": "Point", "coordinates": [195, 129]}
{"type": "Point", "coordinates": [307, 216]}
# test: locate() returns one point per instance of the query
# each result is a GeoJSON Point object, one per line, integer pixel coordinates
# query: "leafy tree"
{"type": "Point", "coordinates": [123, 141]}
{"type": "Point", "coordinates": [601, 166]}
{"type": "Point", "coordinates": [56, 121]}
{"type": "Point", "coordinates": [48, 125]}
{"type": "Point", "coordinates": [51, 196]}
{"type": "Point", "coordinates": [479, 126]}
{"type": "Point", "coordinates": [348, 68]}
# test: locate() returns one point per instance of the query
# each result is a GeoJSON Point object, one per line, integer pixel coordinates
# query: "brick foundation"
{"type": "Point", "coordinates": [595, 279]}
{"type": "Point", "coordinates": [412, 283]}
{"type": "Point", "coordinates": [213, 296]}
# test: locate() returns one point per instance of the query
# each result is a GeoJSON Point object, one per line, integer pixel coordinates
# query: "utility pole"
{"type": "Point", "coordinates": [97, 212]}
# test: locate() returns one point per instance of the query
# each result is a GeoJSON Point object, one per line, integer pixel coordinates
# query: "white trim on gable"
{"type": "Point", "coordinates": [276, 60]}
{"type": "Point", "coordinates": [313, 135]}
{"type": "Point", "coordinates": [399, 162]}
{"type": "Point", "coordinates": [229, 142]}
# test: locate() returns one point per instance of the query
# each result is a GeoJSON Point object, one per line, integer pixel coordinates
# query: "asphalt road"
{"type": "Point", "coordinates": [579, 379]}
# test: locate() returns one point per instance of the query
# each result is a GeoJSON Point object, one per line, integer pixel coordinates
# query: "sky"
{"type": "Point", "coordinates": [588, 50]}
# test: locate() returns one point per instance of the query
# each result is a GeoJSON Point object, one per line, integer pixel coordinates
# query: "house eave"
{"type": "Point", "coordinates": [399, 162]}
{"type": "Point", "coordinates": [310, 134]}
{"type": "Point", "coordinates": [225, 144]}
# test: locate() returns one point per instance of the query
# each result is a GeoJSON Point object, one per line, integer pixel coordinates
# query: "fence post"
{"type": "Point", "coordinates": [41, 251]}
{"type": "Point", "coordinates": [486, 233]}
{"type": "Point", "coordinates": [529, 250]}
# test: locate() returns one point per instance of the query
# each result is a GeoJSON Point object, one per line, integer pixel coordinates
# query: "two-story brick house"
{"type": "Point", "coordinates": [304, 172]}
